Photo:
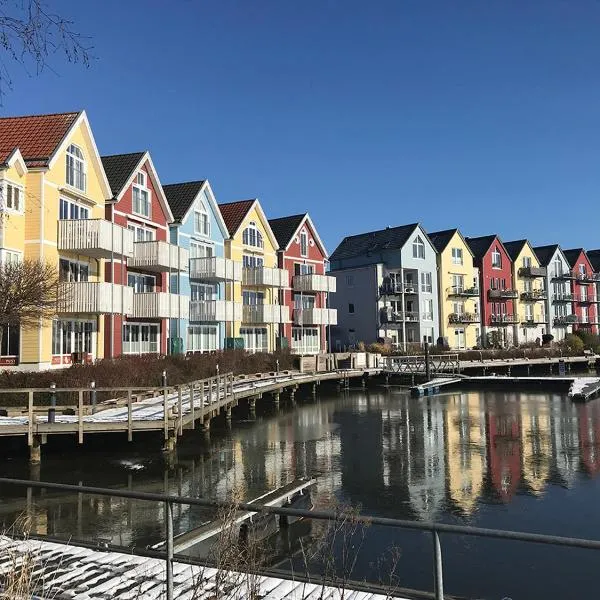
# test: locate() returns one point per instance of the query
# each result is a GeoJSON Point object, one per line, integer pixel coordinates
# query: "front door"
{"type": "Point", "coordinates": [459, 339]}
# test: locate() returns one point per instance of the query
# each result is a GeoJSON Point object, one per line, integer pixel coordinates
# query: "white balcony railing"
{"type": "Point", "coordinates": [95, 297]}
{"type": "Point", "coordinates": [159, 256]}
{"type": "Point", "coordinates": [265, 313]}
{"type": "Point", "coordinates": [314, 283]}
{"type": "Point", "coordinates": [265, 276]}
{"type": "Point", "coordinates": [215, 268]}
{"type": "Point", "coordinates": [315, 316]}
{"type": "Point", "coordinates": [160, 305]}
{"type": "Point", "coordinates": [215, 310]}
{"type": "Point", "coordinates": [94, 237]}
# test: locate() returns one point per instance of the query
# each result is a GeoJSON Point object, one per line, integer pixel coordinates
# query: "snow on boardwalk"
{"type": "Point", "coordinates": [61, 572]}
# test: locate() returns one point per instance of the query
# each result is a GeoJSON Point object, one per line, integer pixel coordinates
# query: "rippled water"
{"type": "Point", "coordinates": [502, 460]}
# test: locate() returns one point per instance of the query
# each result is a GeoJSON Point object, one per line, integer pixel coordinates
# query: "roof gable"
{"type": "Point", "coordinates": [594, 257]}
{"type": "Point", "coordinates": [441, 239]}
{"type": "Point", "coordinates": [235, 213]}
{"type": "Point", "coordinates": [545, 253]}
{"type": "Point", "coordinates": [572, 255]}
{"type": "Point", "coordinates": [286, 229]}
{"type": "Point", "coordinates": [515, 248]}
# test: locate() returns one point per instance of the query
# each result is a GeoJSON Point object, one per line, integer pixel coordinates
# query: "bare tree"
{"type": "Point", "coordinates": [31, 34]}
{"type": "Point", "coordinates": [29, 291]}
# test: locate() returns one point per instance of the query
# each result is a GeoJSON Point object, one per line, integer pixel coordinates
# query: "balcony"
{"type": "Point", "coordinates": [532, 272]}
{"type": "Point", "coordinates": [160, 305]}
{"type": "Point", "coordinates": [565, 320]}
{"type": "Point", "coordinates": [585, 278]}
{"type": "Point", "coordinates": [215, 310]}
{"type": "Point", "coordinates": [557, 298]}
{"type": "Point", "coordinates": [314, 283]}
{"type": "Point", "coordinates": [315, 316]}
{"type": "Point", "coordinates": [94, 237]}
{"type": "Point", "coordinates": [464, 318]}
{"type": "Point", "coordinates": [584, 299]}
{"type": "Point", "coordinates": [158, 256]}
{"type": "Point", "coordinates": [534, 295]}
{"type": "Point", "coordinates": [265, 277]}
{"type": "Point", "coordinates": [533, 321]}
{"type": "Point", "coordinates": [215, 268]}
{"type": "Point", "coordinates": [503, 320]}
{"type": "Point", "coordinates": [389, 316]}
{"type": "Point", "coordinates": [397, 289]}
{"type": "Point", "coordinates": [462, 292]}
{"type": "Point", "coordinates": [95, 298]}
{"type": "Point", "coordinates": [502, 294]}
{"type": "Point", "coordinates": [265, 313]}
{"type": "Point", "coordinates": [562, 275]}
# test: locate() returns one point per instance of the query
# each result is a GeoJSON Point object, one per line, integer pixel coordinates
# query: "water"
{"type": "Point", "coordinates": [515, 461]}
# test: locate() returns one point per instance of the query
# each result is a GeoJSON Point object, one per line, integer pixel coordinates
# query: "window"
{"type": "Point", "coordinates": [141, 233]}
{"type": "Point", "coordinates": [426, 282]}
{"type": "Point", "coordinates": [202, 291]}
{"type": "Point", "coordinates": [350, 280]}
{"type": "Point", "coordinates": [305, 340]}
{"type": "Point", "coordinates": [582, 270]}
{"type": "Point", "coordinates": [583, 294]}
{"type": "Point", "coordinates": [141, 196]}
{"type": "Point", "coordinates": [10, 340]}
{"type": "Point", "coordinates": [458, 283]}
{"type": "Point", "coordinates": [12, 198]}
{"type": "Point", "coordinates": [75, 167]}
{"type": "Point", "coordinates": [351, 308]}
{"type": "Point", "coordinates": [527, 285]}
{"type": "Point", "coordinates": [303, 243]}
{"type": "Point", "coordinates": [558, 267]}
{"type": "Point", "coordinates": [300, 269]}
{"type": "Point", "coordinates": [457, 256]}
{"type": "Point", "coordinates": [458, 308]}
{"type": "Point", "coordinates": [250, 298]}
{"type": "Point", "coordinates": [141, 338]}
{"type": "Point", "coordinates": [252, 236]}
{"type": "Point", "coordinates": [8, 257]}
{"type": "Point", "coordinates": [141, 283]}
{"type": "Point", "coordinates": [255, 339]}
{"type": "Point", "coordinates": [70, 270]}
{"type": "Point", "coordinates": [250, 261]}
{"type": "Point", "coordinates": [528, 312]}
{"type": "Point", "coordinates": [202, 338]}
{"type": "Point", "coordinates": [418, 248]}
{"type": "Point", "coordinates": [201, 220]}
{"type": "Point", "coordinates": [72, 336]}
{"type": "Point", "coordinates": [201, 250]}
{"type": "Point", "coordinates": [584, 314]}
{"type": "Point", "coordinates": [72, 210]}
{"type": "Point", "coordinates": [427, 310]}
{"type": "Point", "coordinates": [496, 259]}
{"type": "Point", "coordinates": [303, 301]}
{"type": "Point", "coordinates": [527, 261]}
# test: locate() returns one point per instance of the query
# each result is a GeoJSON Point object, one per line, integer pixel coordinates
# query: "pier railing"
{"type": "Point", "coordinates": [435, 529]}
{"type": "Point", "coordinates": [438, 363]}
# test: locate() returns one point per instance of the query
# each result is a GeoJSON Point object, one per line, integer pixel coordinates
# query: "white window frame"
{"type": "Point", "coordinates": [79, 271]}
{"type": "Point", "coordinates": [252, 236]}
{"type": "Point", "coordinates": [64, 336]}
{"type": "Point", "coordinates": [83, 211]}
{"type": "Point", "coordinates": [426, 282]}
{"type": "Point", "coordinates": [75, 168]}
{"type": "Point", "coordinates": [150, 346]}
{"type": "Point", "coordinates": [200, 292]}
{"type": "Point", "coordinates": [496, 258]}
{"type": "Point", "coordinates": [303, 243]}
{"type": "Point", "coordinates": [201, 220]}
{"type": "Point", "coordinates": [258, 338]}
{"type": "Point", "coordinates": [8, 256]}
{"type": "Point", "coordinates": [418, 248]}
{"type": "Point", "coordinates": [141, 233]}
{"type": "Point", "coordinates": [140, 281]}
{"type": "Point", "coordinates": [201, 250]}
{"type": "Point", "coordinates": [5, 184]}
{"type": "Point", "coordinates": [140, 185]}
{"type": "Point", "coordinates": [203, 338]}
{"type": "Point", "coordinates": [457, 256]}
{"type": "Point", "coordinates": [252, 261]}
{"type": "Point", "coordinates": [526, 262]}
{"type": "Point", "coordinates": [306, 340]}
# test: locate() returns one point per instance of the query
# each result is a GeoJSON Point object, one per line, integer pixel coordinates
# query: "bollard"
{"type": "Point", "coordinates": [217, 368]}
{"type": "Point", "coordinates": [52, 409]}
{"type": "Point", "coordinates": [164, 379]}
{"type": "Point", "coordinates": [93, 396]}
{"type": "Point", "coordinates": [277, 366]}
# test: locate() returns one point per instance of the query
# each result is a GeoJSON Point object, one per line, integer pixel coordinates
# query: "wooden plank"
{"type": "Point", "coordinates": [30, 416]}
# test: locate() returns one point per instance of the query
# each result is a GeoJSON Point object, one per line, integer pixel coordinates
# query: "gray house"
{"type": "Point", "coordinates": [387, 287]}
{"type": "Point", "coordinates": [559, 302]}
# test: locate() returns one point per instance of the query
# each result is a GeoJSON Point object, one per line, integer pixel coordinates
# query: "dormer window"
{"type": "Point", "coordinates": [252, 236]}
{"type": "Point", "coordinates": [75, 168]}
{"type": "Point", "coordinates": [141, 196]}
{"type": "Point", "coordinates": [496, 259]}
{"type": "Point", "coordinates": [418, 247]}
{"type": "Point", "coordinates": [201, 220]}
{"type": "Point", "coordinates": [303, 244]}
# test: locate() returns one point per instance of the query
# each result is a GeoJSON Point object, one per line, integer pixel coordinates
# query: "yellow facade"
{"type": "Point", "coordinates": [459, 303]}
{"type": "Point", "coordinates": [535, 443]}
{"type": "Point", "coordinates": [236, 249]}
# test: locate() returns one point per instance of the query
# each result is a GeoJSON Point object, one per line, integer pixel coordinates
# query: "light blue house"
{"type": "Point", "coordinates": [199, 227]}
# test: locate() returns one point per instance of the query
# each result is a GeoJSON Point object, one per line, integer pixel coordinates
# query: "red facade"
{"type": "Point", "coordinates": [121, 212]}
{"type": "Point", "coordinates": [584, 294]}
{"type": "Point", "coordinates": [503, 432]}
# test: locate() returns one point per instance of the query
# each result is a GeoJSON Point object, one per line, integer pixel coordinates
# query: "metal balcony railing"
{"type": "Point", "coordinates": [562, 298]}
{"type": "Point", "coordinates": [396, 289]}
{"type": "Point", "coordinates": [503, 294]}
{"type": "Point", "coordinates": [565, 320]}
{"type": "Point", "coordinates": [463, 292]}
{"type": "Point", "coordinates": [504, 319]}
{"type": "Point", "coordinates": [532, 272]}
{"type": "Point", "coordinates": [390, 316]}
{"type": "Point", "coordinates": [464, 318]}
{"type": "Point", "coordinates": [533, 321]}
{"type": "Point", "coordinates": [534, 295]}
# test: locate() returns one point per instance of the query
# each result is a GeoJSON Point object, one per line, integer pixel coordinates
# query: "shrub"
{"type": "Point", "coordinates": [378, 348]}
{"type": "Point", "coordinates": [573, 343]}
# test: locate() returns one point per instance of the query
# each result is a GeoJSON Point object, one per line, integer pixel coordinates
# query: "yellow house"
{"type": "Point", "coordinates": [458, 290]}
{"type": "Point", "coordinates": [528, 281]}
{"type": "Point", "coordinates": [55, 165]}
{"type": "Point", "coordinates": [536, 447]}
{"type": "Point", "coordinates": [252, 243]}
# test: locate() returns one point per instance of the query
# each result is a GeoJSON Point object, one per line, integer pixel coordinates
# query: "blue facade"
{"type": "Point", "coordinates": [200, 228]}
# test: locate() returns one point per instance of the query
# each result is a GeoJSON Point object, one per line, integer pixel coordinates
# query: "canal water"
{"type": "Point", "coordinates": [526, 462]}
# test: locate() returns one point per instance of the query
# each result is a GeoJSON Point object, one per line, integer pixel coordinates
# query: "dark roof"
{"type": "Point", "coordinates": [440, 239]}
{"type": "Point", "coordinates": [514, 248]}
{"type": "Point", "coordinates": [234, 213]}
{"type": "Point", "coordinates": [545, 253]}
{"type": "Point", "coordinates": [572, 255]}
{"type": "Point", "coordinates": [181, 196]}
{"type": "Point", "coordinates": [118, 169]}
{"type": "Point", "coordinates": [284, 228]}
{"type": "Point", "coordinates": [480, 245]}
{"type": "Point", "coordinates": [594, 256]}
{"type": "Point", "coordinates": [373, 241]}
{"type": "Point", "coordinates": [36, 136]}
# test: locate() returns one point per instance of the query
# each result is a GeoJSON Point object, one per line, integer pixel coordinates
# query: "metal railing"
{"type": "Point", "coordinates": [434, 528]}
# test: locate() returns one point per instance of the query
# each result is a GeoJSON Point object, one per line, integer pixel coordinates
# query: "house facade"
{"type": "Point", "coordinates": [198, 227]}
{"type": "Point", "coordinates": [302, 254]}
{"type": "Point", "coordinates": [252, 243]}
{"type": "Point", "coordinates": [594, 258]}
{"type": "Point", "coordinates": [559, 301]}
{"type": "Point", "coordinates": [387, 288]}
{"type": "Point", "coordinates": [497, 296]}
{"type": "Point", "coordinates": [458, 285]}
{"type": "Point", "coordinates": [139, 206]}
{"type": "Point", "coordinates": [584, 281]}
{"type": "Point", "coordinates": [529, 281]}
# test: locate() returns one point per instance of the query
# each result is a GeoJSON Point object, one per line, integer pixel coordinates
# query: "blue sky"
{"type": "Point", "coordinates": [480, 115]}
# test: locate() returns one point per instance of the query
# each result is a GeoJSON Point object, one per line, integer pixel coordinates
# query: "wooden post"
{"type": "Point", "coordinates": [210, 391]}
{"type": "Point", "coordinates": [180, 408]}
{"type": "Point", "coordinates": [129, 416]}
{"type": "Point", "coordinates": [35, 450]}
{"type": "Point", "coordinates": [30, 413]}
{"type": "Point", "coordinates": [165, 414]}
{"type": "Point", "coordinates": [80, 416]}
{"type": "Point", "coordinates": [192, 408]}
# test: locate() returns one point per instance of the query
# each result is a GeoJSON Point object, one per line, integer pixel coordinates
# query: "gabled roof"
{"type": "Point", "coordinates": [545, 253]}
{"type": "Point", "coordinates": [181, 196]}
{"type": "Point", "coordinates": [234, 213]}
{"type": "Point", "coordinates": [573, 254]}
{"type": "Point", "coordinates": [480, 245]}
{"type": "Point", "coordinates": [515, 248]}
{"type": "Point", "coordinates": [285, 230]}
{"type": "Point", "coordinates": [594, 256]}
{"type": "Point", "coordinates": [390, 238]}
{"type": "Point", "coordinates": [118, 169]}
{"type": "Point", "coordinates": [36, 136]}
{"type": "Point", "coordinates": [441, 239]}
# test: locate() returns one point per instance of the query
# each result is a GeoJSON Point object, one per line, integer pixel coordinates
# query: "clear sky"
{"type": "Point", "coordinates": [478, 115]}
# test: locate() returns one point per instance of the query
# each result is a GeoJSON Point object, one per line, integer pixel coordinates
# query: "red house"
{"type": "Point", "coordinates": [497, 298]}
{"type": "Point", "coordinates": [584, 290]}
{"type": "Point", "coordinates": [303, 255]}
{"type": "Point", "coordinates": [139, 204]}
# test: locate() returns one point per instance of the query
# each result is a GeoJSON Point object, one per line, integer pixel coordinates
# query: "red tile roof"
{"type": "Point", "coordinates": [234, 213]}
{"type": "Point", "coordinates": [36, 136]}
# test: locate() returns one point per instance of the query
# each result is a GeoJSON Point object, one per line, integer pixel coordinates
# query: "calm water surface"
{"type": "Point", "coordinates": [502, 460]}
